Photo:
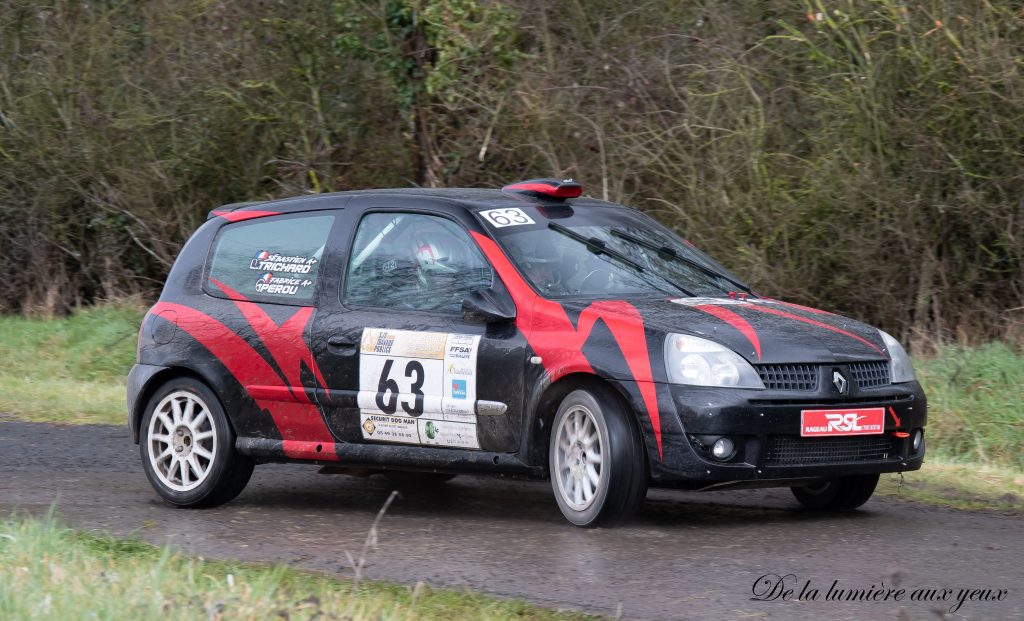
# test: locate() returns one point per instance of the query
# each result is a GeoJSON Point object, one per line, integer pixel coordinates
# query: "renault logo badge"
{"type": "Point", "coordinates": [840, 382]}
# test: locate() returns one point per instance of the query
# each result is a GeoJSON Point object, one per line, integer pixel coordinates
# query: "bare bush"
{"type": "Point", "coordinates": [859, 155]}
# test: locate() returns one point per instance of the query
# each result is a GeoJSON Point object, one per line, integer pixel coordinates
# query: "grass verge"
{"type": "Point", "coordinates": [68, 370]}
{"type": "Point", "coordinates": [975, 405]}
{"type": "Point", "coordinates": [958, 486]}
{"type": "Point", "coordinates": [48, 571]}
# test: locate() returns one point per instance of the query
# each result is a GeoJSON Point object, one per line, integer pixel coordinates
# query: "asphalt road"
{"type": "Point", "coordinates": [687, 556]}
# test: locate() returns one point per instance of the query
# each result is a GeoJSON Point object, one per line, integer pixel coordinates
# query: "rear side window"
{"type": "Point", "coordinates": [275, 259]}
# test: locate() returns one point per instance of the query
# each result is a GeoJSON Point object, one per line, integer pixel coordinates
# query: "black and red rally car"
{"type": "Point", "coordinates": [527, 331]}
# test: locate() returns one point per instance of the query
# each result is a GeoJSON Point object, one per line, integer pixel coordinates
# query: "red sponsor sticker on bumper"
{"type": "Point", "coordinates": [843, 422]}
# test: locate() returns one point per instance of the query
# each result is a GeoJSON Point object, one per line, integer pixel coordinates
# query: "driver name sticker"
{"type": "Point", "coordinates": [407, 376]}
{"type": "Point", "coordinates": [268, 283]}
{"type": "Point", "coordinates": [266, 261]}
{"type": "Point", "coordinates": [499, 218]}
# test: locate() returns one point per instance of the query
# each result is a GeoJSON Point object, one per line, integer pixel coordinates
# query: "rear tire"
{"type": "Point", "coordinates": [838, 494]}
{"type": "Point", "coordinates": [188, 446]}
{"type": "Point", "coordinates": [597, 460]}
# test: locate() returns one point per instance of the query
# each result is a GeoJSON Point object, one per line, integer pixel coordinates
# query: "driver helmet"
{"type": "Point", "coordinates": [433, 259]}
{"type": "Point", "coordinates": [543, 266]}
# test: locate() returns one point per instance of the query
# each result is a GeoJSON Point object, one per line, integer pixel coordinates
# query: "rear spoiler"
{"type": "Point", "coordinates": [239, 211]}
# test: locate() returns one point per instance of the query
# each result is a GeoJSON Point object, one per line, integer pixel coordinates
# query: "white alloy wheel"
{"type": "Point", "coordinates": [578, 458]}
{"type": "Point", "coordinates": [182, 441]}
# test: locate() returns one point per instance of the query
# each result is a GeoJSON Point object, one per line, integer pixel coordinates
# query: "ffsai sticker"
{"type": "Point", "coordinates": [459, 399]}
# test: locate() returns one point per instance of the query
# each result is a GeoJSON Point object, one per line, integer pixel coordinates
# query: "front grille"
{"type": "Point", "coordinates": [789, 376]}
{"type": "Point", "coordinates": [798, 451]}
{"type": "Point", "coordinates": [871, 374]}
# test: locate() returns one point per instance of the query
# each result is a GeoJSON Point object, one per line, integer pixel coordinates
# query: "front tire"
{"type": "Point", "coordinates": [838, 494]}
{"type": "Point", "coordinates": [188, 447]}
{"type": "Point", "coordinates": [597, 460]}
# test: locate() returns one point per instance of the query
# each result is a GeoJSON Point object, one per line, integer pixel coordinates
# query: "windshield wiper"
{"type": "Point", "coordinates": [668, 252]}
{"type": "Point", "coordinates": [598, 246]}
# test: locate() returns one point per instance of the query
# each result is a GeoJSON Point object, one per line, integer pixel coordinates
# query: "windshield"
{"type": "Point", "coordinates": [603, 251]}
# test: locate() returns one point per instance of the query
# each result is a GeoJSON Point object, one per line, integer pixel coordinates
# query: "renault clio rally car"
{"type": "Point", "coordinates": [424, 333]}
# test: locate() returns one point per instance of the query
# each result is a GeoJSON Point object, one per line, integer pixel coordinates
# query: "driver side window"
{"type": "Point", "coordinates": [413, 262]}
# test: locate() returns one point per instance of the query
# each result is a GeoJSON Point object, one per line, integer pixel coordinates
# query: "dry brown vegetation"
{"type": "Point", "coordinates": [865, 156]}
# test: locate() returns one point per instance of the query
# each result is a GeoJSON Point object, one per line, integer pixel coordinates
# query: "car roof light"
{"type": "Point", "coordinates": [557, 189]}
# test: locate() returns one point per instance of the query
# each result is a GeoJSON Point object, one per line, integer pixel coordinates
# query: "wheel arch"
{"type": "Point", "coordinates": [154, 382]}
{"type": "Point", "coordinates": [542, 414]}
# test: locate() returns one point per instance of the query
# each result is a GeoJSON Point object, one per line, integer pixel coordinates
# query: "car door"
{"type": "Point", "coordinates": [401, 363]}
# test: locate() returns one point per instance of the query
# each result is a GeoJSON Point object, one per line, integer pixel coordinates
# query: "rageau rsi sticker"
{"type": "Point", "coordinates": [424, 376]}
{"type": "Point", "coordinates": [842, 422]}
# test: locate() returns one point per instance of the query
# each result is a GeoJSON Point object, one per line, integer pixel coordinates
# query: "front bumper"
{"type": "Point", "coordinates": [765, 428]}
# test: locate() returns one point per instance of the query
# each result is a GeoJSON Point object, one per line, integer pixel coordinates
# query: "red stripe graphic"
{"type": "Point", "coordinates": [560, 345]}
{"type": "Point", "coordinates": [735, 321]}
{"type": "Point", "coordinates": [894, 417]}
{"type": "Point", "coordinates": [238, 216]}
{"type": "Point", "coordinates": [286, 342]}
{"type": "Point", "coordinates": [816, 311]}
{"type": "Point", "coordinates": [774, 311]}
{"type": "Point", "coordinates": [299, 422]}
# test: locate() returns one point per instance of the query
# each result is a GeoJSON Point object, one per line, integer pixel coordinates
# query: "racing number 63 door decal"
{"type": "Point", "coordinates": [418, 387]}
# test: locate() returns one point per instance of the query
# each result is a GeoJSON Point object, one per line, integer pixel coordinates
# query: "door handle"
{"type": "Point", "coordinates": [341, 342]}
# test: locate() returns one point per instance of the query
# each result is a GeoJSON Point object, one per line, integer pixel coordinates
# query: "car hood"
{"type": "Point", "coordinates": [764, 330]}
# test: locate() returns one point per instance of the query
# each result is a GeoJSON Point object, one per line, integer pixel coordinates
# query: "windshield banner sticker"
{"type": "Point", "coordinates": [695, 301]}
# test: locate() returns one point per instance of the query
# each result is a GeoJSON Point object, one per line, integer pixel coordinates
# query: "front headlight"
{"type": "Point", "coordinates": [899, 364]}
{"type": "Point", "coordinates": [700, 362]}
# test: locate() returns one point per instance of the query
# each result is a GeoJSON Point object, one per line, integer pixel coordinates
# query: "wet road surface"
{"type": "Point", "coordinates": [687, 556]}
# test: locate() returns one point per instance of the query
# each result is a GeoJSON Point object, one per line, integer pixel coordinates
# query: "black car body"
{"type": "Point", "coordinates": [443, 331]}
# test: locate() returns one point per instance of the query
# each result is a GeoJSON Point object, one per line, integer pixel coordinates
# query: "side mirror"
{"type": "Point", "coordinates": [488, 306]}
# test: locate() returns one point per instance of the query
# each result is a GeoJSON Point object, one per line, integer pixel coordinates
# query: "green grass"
{"type": "Point", "coordinates": [48, 571]}
{"type": "Point", "coordinates": [68, 370]}
{"type": "Point", "coordinates": [975, 405]}
{"type": "Point", "coordinates": [958, 486]}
